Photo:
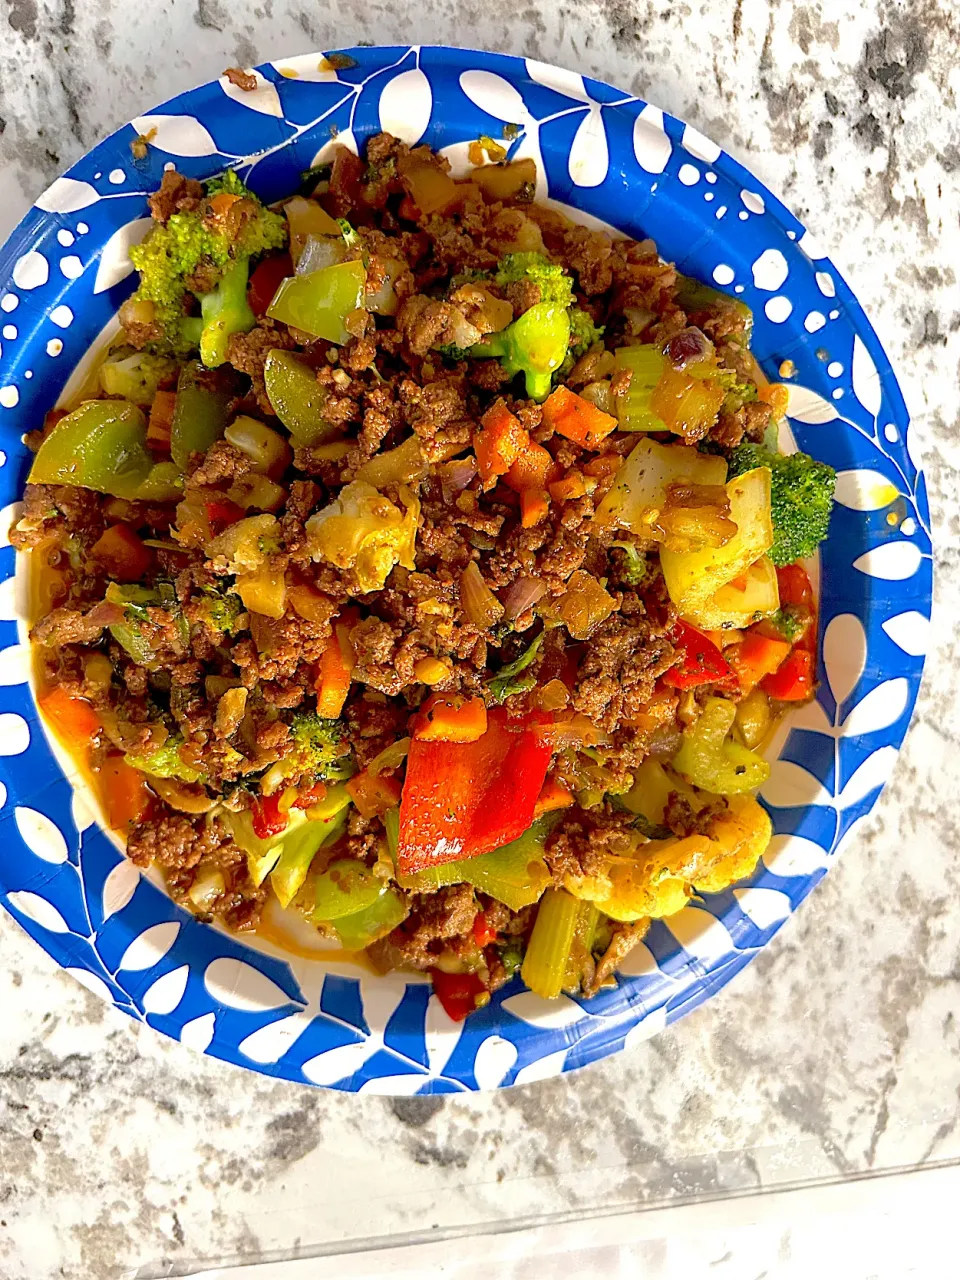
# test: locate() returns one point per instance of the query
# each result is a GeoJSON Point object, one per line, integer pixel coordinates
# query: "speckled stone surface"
{"type": "Point", "coordinates": [838, 1051]}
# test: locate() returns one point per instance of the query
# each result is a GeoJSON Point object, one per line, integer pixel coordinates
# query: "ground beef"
{"type": "Point", "coordinates": [172, 840]}
{"type": "Point", "coordinates": [177, 194]}
{"type": "Point", "coordinates": [579, 844]}
{"type": "Point", "coordinates": [683, 820]}
{"type": "Point", "coordinates": [69, 626]}
{"type": "Point", "coordinates": [625, 938]}
{"type": "Point", "coordinates": [617, 674]}
{"type": "Point", "coordinates": [247, 352]}
{"type": "Point", "coordinates": [244, 80]}
{"type": "Point", "coordinates": [423, 322]}
{"type": "Point", "coordinates": [220, 465]}
{"type": "Point", "coordinates": [435, 919]}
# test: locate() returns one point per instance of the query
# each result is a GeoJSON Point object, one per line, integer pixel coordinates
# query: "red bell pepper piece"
{"type": "Point", "coordinates": [311, 796]}
{"type": "Point", "coordinates": [483, 934]}
{"type": "Point", "coordinates": [461, 799]}
{"type": "Point", "coordinates": [701, 662]}
{"type": "Point", "coordinates": [793, 681]}
{"type": "Point", "coordinates": [755, 657]}
{"type": "Point", "coordinates": [266, 280]}
{"type": "Point", "coordinates": [794, 586]}
{"type": "Point", "coordinates": [268, 818]}
{"type": "Point", "coordinates": [221, 514]}
{"type": "Point", "coordinates": [459, 993]}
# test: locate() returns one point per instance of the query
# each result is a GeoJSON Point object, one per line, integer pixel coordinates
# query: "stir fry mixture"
{"type": "Point", "coordinates": [423, 564]}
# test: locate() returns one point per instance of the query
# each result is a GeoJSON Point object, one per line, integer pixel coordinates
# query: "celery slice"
{"type": "Point", "coordinates": [633, 406]}
{"type": "Point", "coordinates": [548, 951]}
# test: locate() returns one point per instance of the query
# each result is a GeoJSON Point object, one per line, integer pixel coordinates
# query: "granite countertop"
{"type": "Point", "coordinates": [837, 1053]}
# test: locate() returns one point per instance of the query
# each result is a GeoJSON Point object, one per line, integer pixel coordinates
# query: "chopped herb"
{"type": "Point", "coordinates": [509, 679]}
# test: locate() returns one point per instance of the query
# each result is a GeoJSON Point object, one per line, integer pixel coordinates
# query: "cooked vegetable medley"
{"type": "Point", "coordinates": [422, 566]}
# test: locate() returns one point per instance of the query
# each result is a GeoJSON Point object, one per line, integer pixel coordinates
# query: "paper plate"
{"type": "Point", "coordinates": [613, 158]}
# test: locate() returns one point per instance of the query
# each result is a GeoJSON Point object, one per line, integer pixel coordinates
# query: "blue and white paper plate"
{"type": "Point", "coordinates": [614, 159]}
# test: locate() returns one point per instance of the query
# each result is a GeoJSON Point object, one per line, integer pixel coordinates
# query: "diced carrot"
{"type": "Point", "coordinates": [124, 793]}
{"type": "Point", "coordinates": [567, 487]}
{"type": "Point", "coordinates": [446, 717]}
{"type": "Point", "coordinates": [336, 668]}
{"type": "Point", "coordinates": [754, 657]}
{"type": "Point", "coordinates": [605, 465]}
{"type": "Point", "coordinates": [777, 396]}
{"type": "Point", "coordinates": [73, 718]}
{"type": "Point", "coordinates": [374, 794]}
{"type": "Point", "coordinates": [408, 210]}
{"type": "Point", "coordinates": [122, 553]}
{"type": "Point", "coordinates": [532, 470]}
{"type": "Point", "coordinates": [534, 504]}
{"type": "Point", "coordinates": [553, 795]}
{"type": "Point", "coordinates": [576, 418]}
{"type": "Point", "coordinates": [221, 203]}
{"type": "Point", "coordinates": [499, 444]}
{"type": "Point", "coordinates": [160, 426]}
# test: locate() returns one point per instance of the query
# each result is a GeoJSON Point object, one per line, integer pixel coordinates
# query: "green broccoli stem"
{"type": "Point", "coordinates": [534, 345]}
{"type": "Point", "coordinates": [223, 312]}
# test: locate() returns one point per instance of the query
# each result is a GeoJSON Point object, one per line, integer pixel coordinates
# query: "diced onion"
{"type": "Point", "coordinates": [267, 449]}
{"type": "Point", "coordinates": [320, 251]}
{"type": "Point", "coordinates": [522, 595]}
{"type": "Point", "coordinates": [479, 603]}
{"type": "Point", "coordinates": [206, 889]}
{"type": "Point", "coordinates": [584, 605]}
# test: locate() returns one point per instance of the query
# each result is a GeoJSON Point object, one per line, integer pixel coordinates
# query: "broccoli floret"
{"type": "Point", "coordinates": [534, 345]}
{"type": "Point", "coordinates": [631, 568]}
{"type": "Point", "coordinates": [790, 622]}
{"type": "Point", "coordinates": [451, 351]}
{"type": "Point", "coordinates": [165, 762]}
{"type": "Point", "coordinates": [583, 332]}
{"type": "Point", "coordinates": [801, 498]}
{"type": "Point", "coordinates": [206, 252]}
{"type": "Point", "coordinates": [555, 285]}
{"type": "Point", "coordinates": [223, 612]}
{"type": "Point", "coordinates": [320, 747]}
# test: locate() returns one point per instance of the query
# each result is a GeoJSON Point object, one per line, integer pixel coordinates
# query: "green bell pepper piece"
{"type": "Point", "coordinates": [319, 302]}
{"type": "Point", "coordinates": [711, 760]}
{"type": "Point", "coordinates": [164, 483]}
{"type": "Point", "coordinates": [515, 874]}
{"type": "Point", "coordinates": [100, 445]}
{"type": "Point", "coordinates": [334, 802]}
{"type": "Point", "coordinates": [262, 854]}
{"type": "Point", "coordinates": [297, 398]}
{"type": "Point", "coordinates": [534, 345]}
{"type": "Point", "coordinates": [298, 848]}
{"type": "Point", "coordinates": [345, 888]}
{"type": "Point", "coordinates": [200, 414]}
{"type": "Point", "coordinates": [358, 930]}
